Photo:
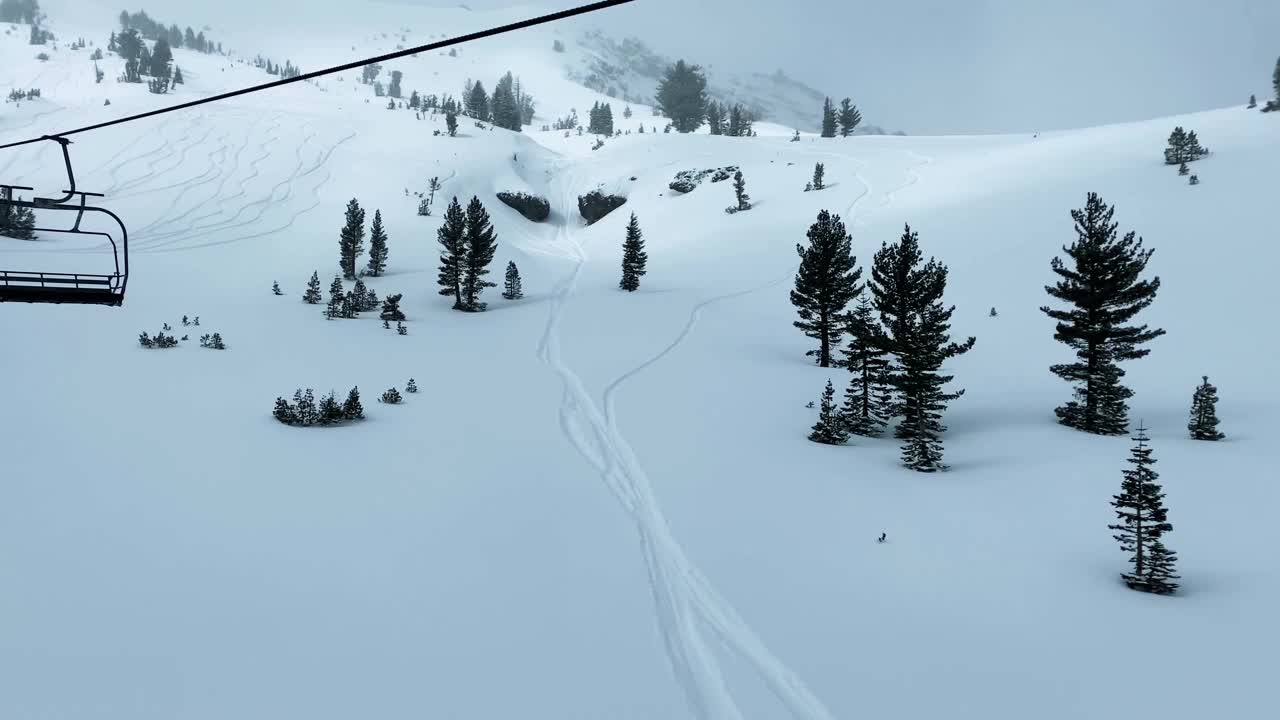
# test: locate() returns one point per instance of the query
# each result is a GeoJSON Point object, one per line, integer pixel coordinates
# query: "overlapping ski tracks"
{"type": "Point", "coordinates": [685, 601]}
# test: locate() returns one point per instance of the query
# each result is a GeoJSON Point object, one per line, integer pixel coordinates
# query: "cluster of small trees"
{"type": "Point", "coordinates": [349, 304]}
{"type": "Point", "coordinates": [17, 95]}
{"type": "Point", "coordinates": [286, 71]}
{"type": "Point", "coordinates": [16, 221]}
{"type": "Point", "coordinates": [467, 245]}
{"type": "Point", "coordinates": [600, 121]}
{"type": "Point", "coordinates": [172, 35]}
{"type": "Point", "coordinates": [734, 121]}
{"type": "Point", "coordinates": [305, 412]}
{"type": "Point", "coordinates": [843, 121]}
{"type": "Point", "coordinates": [212, 341]}
{"type": "Point", "coordinates": [509, 107]}
{"type": "Point", "coordinates": [161, 340]}
{"type": "Point", "coordinates": [141, 60]}
{"type": "Point", "coordinates": [1184, 147]}
{"type": "Point", "coordinates": [351, 242]}
{"type": "Point", "coordinates": [427, 200]}
{"type": "Point", "coordinates": [895, 358]}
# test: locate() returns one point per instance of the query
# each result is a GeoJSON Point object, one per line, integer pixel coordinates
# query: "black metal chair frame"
{"type": "Point", "coordinates": [77, 288]}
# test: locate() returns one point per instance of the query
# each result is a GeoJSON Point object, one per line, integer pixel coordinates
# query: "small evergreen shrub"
{"type": "Point", "coordinates": [391, 397]}
{"type": "Point", "coordinates": [160, 341]}
{"type": "Point", "coordinates": [304, 412]}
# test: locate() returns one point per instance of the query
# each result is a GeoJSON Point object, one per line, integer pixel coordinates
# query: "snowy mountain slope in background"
{"type": "Point", "coordinates": [602, 504]}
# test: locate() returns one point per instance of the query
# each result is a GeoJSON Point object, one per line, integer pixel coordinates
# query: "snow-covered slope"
{"type": "Point", "coordinates": [603, 505]}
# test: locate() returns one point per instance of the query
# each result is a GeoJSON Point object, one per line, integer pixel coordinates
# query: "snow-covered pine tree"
{"type": "Point", "coordinates": [337, 298]}
{"type": "Point", "coordinates": [351, 239]}
{"type": "Point", "coordinates": [511, 289]}
{"type": "Point", "coordinates": [284, 413]}
{"type": "Point", "coordinates": [308, 413]}
{"type": "Point", "coordinates": [359, 296]}
{"type": "Point", "coordinates": [1204, 412]}
{"type": "Point", "coordinates": [634, 258]}
{"type": "Point", "coordinates": [848, 117]}
{"type": "Point", "coordinates": [908, 296]}
{"type": "Point", "coordinates": [828, 119]}
{"type": "Point", "coordinates": [452, 236]}
{"type": "Point", "coordinates": [796, 136]}
{"type": "Point", "coordinates": [451, 122]}
{"type": "Point", "coordinates": [312, 295]}
{"type": "Point", "coordinates": [481, 243]}
{"type": "Point", "coordinates": [829, 429]}
{"type": "Point", "coordinates": [391, 308]}
{"type": "Point", "coordinates": [1143, 522]}
{"type": "Point", "coordinates": [351, 408]}
{"type": "Point", "coordinates": [377, 246]}
{"type": "Point", "coordinates": [1104, 292]}
{"type": "Point", "coordinates": [682, 96]}
{"type": "Point", "coordinates": [868, 400]}
{"type": "Point", "coordinates": [371, 301]}
{"type": "Point", "coordinates": [401, 329]}
{"type": "Point", "coordinates": [715, 118]}
{"type": "Point", "coordinates": [1176, 153]}
{"type": "Point", "coordinates": [826, 283]}
{"type": "Point", "coordinates": [424, 207]}
{"type": "Point", "coordinates": [818, 172]}
{"type": "Point", "coordinates": [1193, 150]}
{"type": "Point", "coordinates": [330, 411]}
{"type": "Point", "coordinates": [275, 288]}
{"type": "Point", "coordinates": [1183, 169]}
{"type": "Point", "coordinates": [391, 397]}
{"type": "Point", "coordinates": [740, 192]}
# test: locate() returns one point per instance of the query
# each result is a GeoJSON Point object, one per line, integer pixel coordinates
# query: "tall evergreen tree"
{"type": "Point", "coordinates": [818, 172]}
{"type": "Point", "coordinates": [477, 102]}
{"type": "Point", "coordinates": [337, 298]}
{"type": "Point", "coordinates": [451, 123]}
{"type": "Point", "coordinates": [312, 295]}
{"type": "Point", "coordinates": [634, 258]}
{"type": "Point", "coordinates": [735, 121]}
{"type": "Point", "coordinates": [161, 58]}
{"type": "Point", "coordinates": [351, 239]}
{"type": "Point", "coordinates": [1204, 413]}
{"type": "Point", "coordinates": [1104, 292]}
{"type": "Point", "coordinates": [828, 119]}
{"type": "Point", "coordinates": [452, 237]}
{"type": "Point", "coordinates": [481, 243]}
{"type": "Point", "coordinates": [826, 283]}
{"type": "Point", "coordinates": [829, 429]}
{"type": "Point", "coordinates": [907, 292]}
{"type": "Point", "coordinates": [868, 400]}
{"type": "Point", "coordinates": [394, 89]}
{"type": "Point", "coordinates": [504, 107]}
{"type": "Point", "coordinates": [377, 246]}
{"type": "Point", "coordinates": [849, 117]}
{"type": "Point", "coordinates": [352, 409]}
{"type": "Point", "coordinates": [511, 289]}
{"type": "Point", "coordinates": [682, 96]}
{"type": "Point", "coordinates": [1143, 523]}
{"type": "Point", "coordinates": [1275, 80]}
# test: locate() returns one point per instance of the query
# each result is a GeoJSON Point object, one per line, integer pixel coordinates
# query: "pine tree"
{"type": "Point", "coordinates": [391, 309]}
{"type": "Point", "coordinates": [401, 329]}
{"type": "Point", "coordinates": [481, 243]}
{"type": "Point", "coordinates": [1204, 413]}
{"type": "Point", "coordinates": [275, 288]}
{"type": "Point", "coordinates": [351, 239]}
{"type": "Point", "coordinates": [451, 122]}
{"type": "Point", "coordinates": [359, 296]}
{"type": "Point", "coordinates": [1183, 169]}
{"type": "Point", "coordinates": [829, 429]}
{"type": "Point", "coordinates": [818, 172]}
{"type": "Point", "coordinates": [308, 413]}
{"type": "Point", "coordinates": [377, 246]}
{"type": "Point", "coordinates": [477, 102]}
{"type": "Point", "coordinates": [177, 76]}
{"type": "Point", "coordinates": [682, 96]}
{"type": "Point", "coordinates": [330, 411]}
{"type": "Point", "coordinates": [312, 295]}
{"type": "Point", "coordinates": [337, 298]}
{"type": "Point", "coordinates": [907, 292]}
{"type": "Point", "coordinates": [735, 121]}
{"type": "Point", "coordinates": [715, 118]}
{"type": "Point", "coordinates": [868, 399]}
{"type": "Point", "coordinates": [452, 237]}
{"type": "Point", "coordinates": [1193, 150]}
{"type": "Point", "coordinates": [161, 58]}
{"type": "Point", "coordinates": [849, 117]}
{"type": "Point", "coordinates": [634, 258]}
{"type": "Point", "coordinates": [740, 192]}
{"type": "Point", "coordinates": [1143, 523]}
{"type": "Point", "coordinates": [394, 89]}
{"type": "Point", "coordinates": [371, 301]}
{"type": "Point", "coordinates": [1275, 80]}
{"type": "Point", "coordinates": [391, 397]}
{"type": "Point", "coordinates": [828, 119]}
{"type": "Point", "coordinates": [511, 289]}
{"type": "Point", "coordinates": [1104, 291]}
{"type": "Point", "coordinates": [826, 283]}
{"type": "Point", "coordinates": [351, 408]}
{"type": "Point", "coordinates": [284, 413]}
{"type": "Point", "coordinates": [1253, 102]}
{"type": "Point", "coordinates": [411, 387]}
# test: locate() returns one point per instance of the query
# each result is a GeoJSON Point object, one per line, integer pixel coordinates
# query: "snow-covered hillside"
{"type": "Point", "coordinates": [602, 504]}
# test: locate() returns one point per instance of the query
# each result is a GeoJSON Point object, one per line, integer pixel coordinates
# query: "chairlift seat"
{"type": "Point", "coordinates": [60, 288]}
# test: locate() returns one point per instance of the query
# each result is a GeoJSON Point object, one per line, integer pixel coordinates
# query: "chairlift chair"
{"type": "Point", "coordinates": [74, 288]}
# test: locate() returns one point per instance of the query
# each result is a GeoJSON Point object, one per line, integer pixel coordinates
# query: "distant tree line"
{"type": "Point", "coordinates": [509, 106]}
{"type": "Point", "coordinates": [20, 11]}
{"type": "Point", "coordinates": [175, 37]}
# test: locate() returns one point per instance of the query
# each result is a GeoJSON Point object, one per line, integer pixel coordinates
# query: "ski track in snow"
{"type": "Point", "coordinates": [684, 598]}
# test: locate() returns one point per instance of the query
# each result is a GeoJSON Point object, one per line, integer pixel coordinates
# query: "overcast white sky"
{"type": "Point", "coordinates": [973, 66]}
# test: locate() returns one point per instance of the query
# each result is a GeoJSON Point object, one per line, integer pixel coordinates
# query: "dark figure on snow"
{"type": "Point", "coordinates": [881, 538]}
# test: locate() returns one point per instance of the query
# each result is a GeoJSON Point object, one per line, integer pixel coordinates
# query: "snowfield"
{"type": "Point", "coordinates": [603, 504]}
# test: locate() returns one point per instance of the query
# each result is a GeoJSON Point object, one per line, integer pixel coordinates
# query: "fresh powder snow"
{"type": "Point", "coordinates": [600, 504]}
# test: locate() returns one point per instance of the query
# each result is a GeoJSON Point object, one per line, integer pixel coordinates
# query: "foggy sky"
{"type": "Point", "coordinates": [978, 66]}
